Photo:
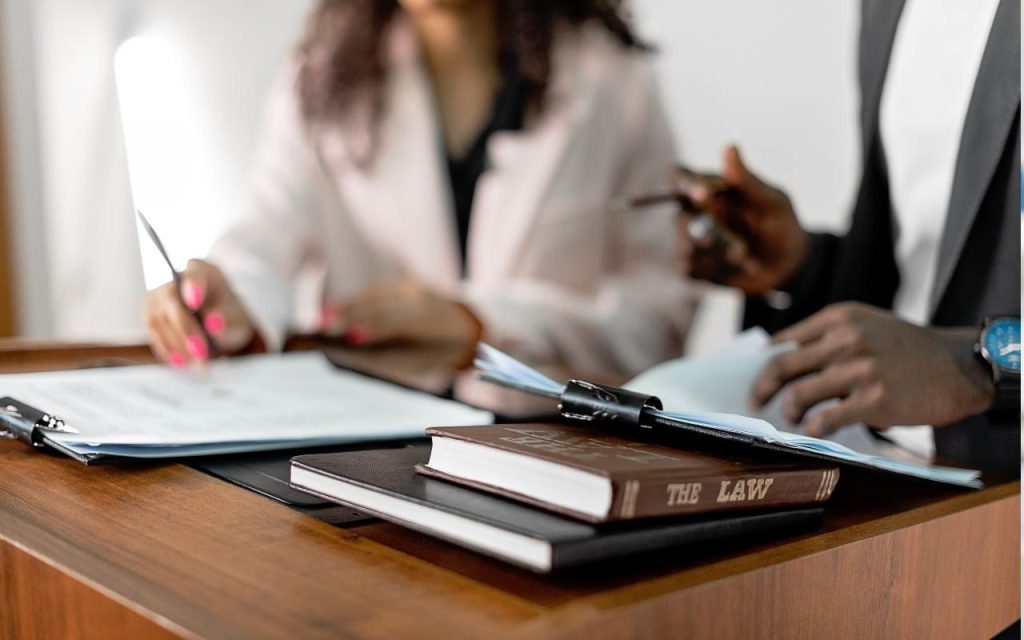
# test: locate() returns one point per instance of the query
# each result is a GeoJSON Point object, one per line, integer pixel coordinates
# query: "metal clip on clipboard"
{"type": "Point", "coordinates": [19, 421]}
{"type": "Point", "coordinates": [591, 402]}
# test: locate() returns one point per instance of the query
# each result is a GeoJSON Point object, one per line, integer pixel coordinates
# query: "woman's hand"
{"type": "Point", "coordinates": [174, 334]}
{"type": "Point", "coordinates": [402, 311]}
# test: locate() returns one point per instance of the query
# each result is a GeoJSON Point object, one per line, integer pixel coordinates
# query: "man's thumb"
{"type": "Point", "coordinates": [735, 171]}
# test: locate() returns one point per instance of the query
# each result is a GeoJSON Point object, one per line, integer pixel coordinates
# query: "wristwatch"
{"type": "Point", "coordinates": [999, 347]}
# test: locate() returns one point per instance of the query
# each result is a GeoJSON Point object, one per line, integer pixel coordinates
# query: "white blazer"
{"type": "Point", "coordinates": [555, 271]}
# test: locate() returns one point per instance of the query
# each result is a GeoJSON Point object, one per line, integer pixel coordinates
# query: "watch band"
{"type": "Point", "coordinates": [1007, 393]}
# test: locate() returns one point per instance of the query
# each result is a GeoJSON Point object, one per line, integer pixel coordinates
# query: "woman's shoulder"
{"type": "Point", "coordinates": [600, 55]}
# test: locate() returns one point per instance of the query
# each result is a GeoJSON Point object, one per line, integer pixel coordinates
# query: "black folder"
{"type": "Point", "coordinates": [384, 483]}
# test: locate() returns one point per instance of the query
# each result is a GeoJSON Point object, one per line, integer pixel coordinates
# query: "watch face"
{"type": "Point", "coordinates": [1001, 343]}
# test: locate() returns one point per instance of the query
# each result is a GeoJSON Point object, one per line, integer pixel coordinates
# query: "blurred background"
{"type": "Point", "coordinates": [108, 104]}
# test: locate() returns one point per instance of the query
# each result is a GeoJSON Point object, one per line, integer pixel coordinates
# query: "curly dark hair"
{"type": "Point", "coordinates": [341, 61]}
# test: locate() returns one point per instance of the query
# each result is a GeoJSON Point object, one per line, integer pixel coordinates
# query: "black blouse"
{"type": "Point", "coordinates": [508, 114]}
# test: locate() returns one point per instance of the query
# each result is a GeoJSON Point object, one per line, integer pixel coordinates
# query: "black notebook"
{"type": "Point", "coordinates": [384, 483]}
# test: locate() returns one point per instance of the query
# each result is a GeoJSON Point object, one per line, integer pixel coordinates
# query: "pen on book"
{"type": "Point", "coordinates": [214, 350]}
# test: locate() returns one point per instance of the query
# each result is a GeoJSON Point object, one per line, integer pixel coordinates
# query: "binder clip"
{"type": "Point", "coordinates": [18, 421]}
{"type": "Point", "coordinates": [599, 403]}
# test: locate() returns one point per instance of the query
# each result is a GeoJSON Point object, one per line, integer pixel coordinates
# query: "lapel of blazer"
{"type": "Point", "coordinates": [522, 165]}
{"type": "Point", "coordinates": [879, 20]}
{"type": "Point", "coordinates": [402, 198]}
{"type": "Point", "coordinates": [993, 107]}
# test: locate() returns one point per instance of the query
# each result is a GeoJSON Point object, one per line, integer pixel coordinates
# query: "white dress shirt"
{"type": "Point", "coordinates": [935, 58]}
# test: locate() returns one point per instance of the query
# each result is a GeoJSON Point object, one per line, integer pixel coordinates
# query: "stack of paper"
{"type": "Point", "coordinates": [242, 404]}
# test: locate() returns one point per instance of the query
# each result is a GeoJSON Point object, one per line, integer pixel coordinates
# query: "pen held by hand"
{"type": "Point", "coordinates": [684, 196]}
{"type": "Point", "coordinates": [708, 236]}
{"type": "Point", "coordinates": [212, 350]}
{"type": "Point", "coordinates": [652, 199]}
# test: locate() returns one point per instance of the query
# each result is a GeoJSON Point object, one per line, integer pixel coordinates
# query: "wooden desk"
{"type": "Point", "coordinates": [159, 551]}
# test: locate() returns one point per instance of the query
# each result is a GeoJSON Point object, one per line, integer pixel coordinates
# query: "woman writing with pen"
{"type": "Point", "coordinates": [446, 170]}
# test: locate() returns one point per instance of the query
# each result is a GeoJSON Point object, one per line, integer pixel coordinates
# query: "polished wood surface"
{"type": "Point", "coordinates": [29, 355]}
{"type": "Point", "coordinates": [140, 550]}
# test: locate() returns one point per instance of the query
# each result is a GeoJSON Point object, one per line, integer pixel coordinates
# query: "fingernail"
{"type": "Point", "coordinates": [192, 295]}
{"type": "Point", "coordinates": [329, 315]}
{"type": "Point", "coordinates": [214, 323]}
{"type": "Point", "coordinates": [197, 347]}
{"type": "Point", "coordinates": [176, 360]}
{"type": "Point", "coordinates": [357, 335]}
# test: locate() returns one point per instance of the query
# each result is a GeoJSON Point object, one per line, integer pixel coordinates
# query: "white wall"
{"type": "Point", "coordinates": [775, 77]}
{"type": "Point", "coordinates": [28, 238]}
{"type": "Point", "coordinates": [215, 62]}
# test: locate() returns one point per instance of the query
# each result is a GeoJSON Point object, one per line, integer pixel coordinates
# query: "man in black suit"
{"type": "Point", "coordinates": [888, 317]}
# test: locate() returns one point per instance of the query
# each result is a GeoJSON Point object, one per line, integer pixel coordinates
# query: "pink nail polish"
{"type": "Point", "coordinates": [214, 323]}
{"type": "Point", "coordinates": [197, 347]}
{"type": "Point", "coordinates": [358, 335]}
{"type": "Point", "coordinates": [176, 360]}
{"type": "Point", "coordinates": [192, 295]}
{"type": "Point", "coordinates": [329, 315]}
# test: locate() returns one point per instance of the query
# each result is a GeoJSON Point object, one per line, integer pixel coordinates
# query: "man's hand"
{"type": "Point", "coordinates": [403, 311]}
{"type": "Point", "coordinates": [762, 243]}
{"type": "Point", "coordinates": [174, 335]}
{"type": "Point", "coordinates": [881, 370]}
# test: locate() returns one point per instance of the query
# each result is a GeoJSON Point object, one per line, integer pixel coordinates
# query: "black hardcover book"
{"type": "Point", "coordinates": [384, 483]}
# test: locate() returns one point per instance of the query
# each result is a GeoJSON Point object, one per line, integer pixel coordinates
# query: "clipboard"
{"type": "Point", "coordinates": [21, 421]}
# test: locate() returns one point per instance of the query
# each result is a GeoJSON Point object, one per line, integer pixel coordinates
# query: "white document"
{"type": "Point", "coordinates": [250, 403]}
{"type": "Point", "coordinates": [720, 382]}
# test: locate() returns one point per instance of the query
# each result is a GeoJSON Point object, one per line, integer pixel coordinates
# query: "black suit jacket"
{"type": "Point", "coordinates": [979, 260]}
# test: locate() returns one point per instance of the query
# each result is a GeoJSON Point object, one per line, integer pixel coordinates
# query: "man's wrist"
{"type": "Point", "coordinates": [998, 347]}
{"type": "Point", "coordinates": [979, 387]}
{"type": "Point", "coordinates": [807, 256]}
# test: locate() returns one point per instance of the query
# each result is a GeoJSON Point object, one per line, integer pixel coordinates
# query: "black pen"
{"type": "Point", "coordinates": [214, 351]}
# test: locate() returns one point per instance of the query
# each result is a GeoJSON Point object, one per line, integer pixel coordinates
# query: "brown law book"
{"type": "Point", "coordinates": [597, 476]}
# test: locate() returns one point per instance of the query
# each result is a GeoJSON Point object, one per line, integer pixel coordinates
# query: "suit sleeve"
{"type": "Point", "coordinates": [639, 313]}
{"type": "Point", "coordinates": [808, 290]}
{"type": "Point", "coordinates": [262, 252]}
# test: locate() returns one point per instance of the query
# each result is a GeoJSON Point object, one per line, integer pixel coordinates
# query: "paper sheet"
{"type": "Point", "coordinates": [246, 403]}
{"type": "Point", "coordinates": [720, 382]}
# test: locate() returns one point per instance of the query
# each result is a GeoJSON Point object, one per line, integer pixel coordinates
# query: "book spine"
{"type": "Point", "coordinates": [646, 497]}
